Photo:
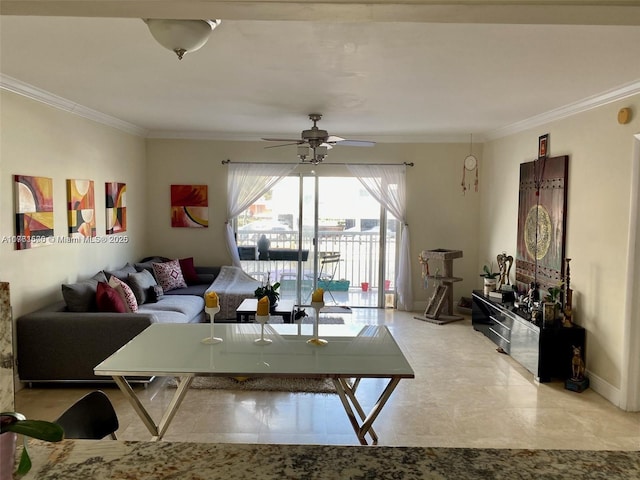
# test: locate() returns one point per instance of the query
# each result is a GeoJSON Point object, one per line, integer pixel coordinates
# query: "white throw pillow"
{"type": "Point", "coordinates": [125, 291]}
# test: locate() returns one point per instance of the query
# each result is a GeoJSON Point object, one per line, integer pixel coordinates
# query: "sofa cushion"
{"type": "Point", "coordinates": [169, 275]}
{"type": "Point", "coordinates": [125, 292]}
{"type": "Point", "coordinates": [140, 282]}
{"type": "Point", "coordinates": [121, 273]}
{"type": "Point", "coordinates": [147, 264]}
{"type": "Point", "coordinates": [108, 299]}
{"type": "Point", "coordinates": [176, 309]}
{"type": "Point", "coordinates": [81, 296]}
{"type": "Point", "coordinates": [189, 271]}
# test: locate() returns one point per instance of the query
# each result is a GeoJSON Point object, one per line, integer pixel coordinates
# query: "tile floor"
{"type": "Point", "coordinates": [465, 394]}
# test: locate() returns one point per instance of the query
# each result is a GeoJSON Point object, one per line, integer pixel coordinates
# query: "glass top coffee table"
{"type": "Point", "coordinates": [247, 308]}
{"type": "Point", "coordinates": [351, 354]}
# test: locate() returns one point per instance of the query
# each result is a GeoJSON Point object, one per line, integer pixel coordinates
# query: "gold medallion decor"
{"type": "Point", "coordinates": [537, 232]}
{"type": "Point", "coordinates": [542, 222]}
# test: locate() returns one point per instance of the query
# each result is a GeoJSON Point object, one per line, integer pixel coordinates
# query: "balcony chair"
{"type": "Point", "coordinates": [328, 267]}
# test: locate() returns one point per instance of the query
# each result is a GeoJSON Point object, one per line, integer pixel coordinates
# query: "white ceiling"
{"type": "Point", "coordinates": [428, 80]}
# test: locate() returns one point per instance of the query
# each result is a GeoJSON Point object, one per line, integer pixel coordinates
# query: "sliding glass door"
{"type": "Point", "coordinates": [311, 231]}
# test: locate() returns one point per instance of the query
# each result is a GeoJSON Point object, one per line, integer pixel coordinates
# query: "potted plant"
{"type": "Point", "coordinates": [552, 303]}
{"type": "Point", "coordinates": [12, 424]}
{"type": "Point", "coordinates": [489, 279]}
{"type": "Point", "coordinates": [270, 291]}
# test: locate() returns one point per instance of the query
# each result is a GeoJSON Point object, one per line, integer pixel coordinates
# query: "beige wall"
{"type": "Point", "coordinates": [599, 195]}
{"type": "Point", "coordinates": [43, 141]}
{"type": "Point", "coordinates": [439, 215]}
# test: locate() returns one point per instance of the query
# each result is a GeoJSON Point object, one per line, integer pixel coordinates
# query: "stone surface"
{"type": "Point", "coordinates": [107, 459]}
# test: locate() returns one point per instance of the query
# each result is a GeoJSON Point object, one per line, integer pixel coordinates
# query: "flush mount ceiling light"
{"type": "Point", "coordinates": [181, 36]}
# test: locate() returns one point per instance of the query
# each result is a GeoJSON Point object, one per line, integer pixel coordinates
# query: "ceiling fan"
{"type": "Point", "coordinates": [317, 140]}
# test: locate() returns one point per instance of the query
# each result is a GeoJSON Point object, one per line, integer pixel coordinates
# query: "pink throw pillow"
{"type": "Point", "coordinates": [169, 275]}
{"type": "Point", "coordinates": [125, 292]}
{"type": "Point", "coordinates": [108, 299]}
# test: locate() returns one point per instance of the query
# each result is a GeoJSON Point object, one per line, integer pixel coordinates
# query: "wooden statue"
{"type": "Point", "coordinates": [504, 266]}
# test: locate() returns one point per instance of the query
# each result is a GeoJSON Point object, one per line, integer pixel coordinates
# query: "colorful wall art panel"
{"type": "Point", "coordinates": [189, 206]}
{"type": "Point", "coordinates": [116, 204]}
{"type": "Point", "coordinates": [34, 211]}
{"type": "Point", "coordinates": [81, 206]}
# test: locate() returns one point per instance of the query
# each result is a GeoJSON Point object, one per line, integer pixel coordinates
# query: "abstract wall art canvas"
{"type": "Point", "coordinates": [34, 211]}
{"type": "Point", "coordinates": [542, 221]}
{"type": "Point", "coordinates": [189, 206]}
{"type": "Point", "coordinates": [116, 205]}
{"type": "Point", "coordinates": [81, 208]}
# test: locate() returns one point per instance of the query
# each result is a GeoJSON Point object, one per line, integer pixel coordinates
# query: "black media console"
{"type": "Point", "coordinates": [545, 352]}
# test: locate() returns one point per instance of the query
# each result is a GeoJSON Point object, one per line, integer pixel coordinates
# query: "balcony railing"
{"type": "Point", "coordinates": [359, 256]}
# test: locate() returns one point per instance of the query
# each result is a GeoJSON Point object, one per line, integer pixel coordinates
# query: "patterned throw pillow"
{"type": "Point", "coordinates": [127, 294]}
{"type": "Point", "coordinates": [169, 275]}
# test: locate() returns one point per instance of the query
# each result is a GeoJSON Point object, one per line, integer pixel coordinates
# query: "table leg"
{"type": "Point", "coordinates": [157, 431]}
{"type": "Point", "coordinates": [347, 394]}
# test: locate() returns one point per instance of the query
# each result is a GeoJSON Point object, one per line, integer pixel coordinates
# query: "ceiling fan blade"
{"type": "Point", "coordinates": [297, 140]}
{"type": "Point", "coordinates": [284, 144]}
{"type": "Point", "coordinates": [334, 139]}
{"type": "Point", "coordinates": [354, 143]}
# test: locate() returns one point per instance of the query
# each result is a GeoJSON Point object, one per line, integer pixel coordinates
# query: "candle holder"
{"type": "Point", "coordinates": [315, 339]}
{"type": "Point", "coordinates": [262, 319]}
{"type": "Point", "coordinates": [212, 340]}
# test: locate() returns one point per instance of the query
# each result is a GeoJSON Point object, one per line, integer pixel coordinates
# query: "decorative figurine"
{"type": "Point", "coordinates": [578, 381]}
{"type": "Point", "coordinates": [577, 364]}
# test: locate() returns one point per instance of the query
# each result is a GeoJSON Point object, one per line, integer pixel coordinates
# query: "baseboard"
{"type": "Point", "coordinates": [604, 388]}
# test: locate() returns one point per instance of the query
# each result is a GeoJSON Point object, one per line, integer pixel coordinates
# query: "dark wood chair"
{"type": "Point", "coordinates": [92, 417]}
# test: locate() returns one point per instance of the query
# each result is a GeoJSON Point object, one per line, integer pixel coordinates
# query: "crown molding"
{"type": "Point", "coordinates": [584, 105]}
{"type": "Point", "coordinates": [21, 88]}
{"type": "Point", "coordinates": [35, 93]}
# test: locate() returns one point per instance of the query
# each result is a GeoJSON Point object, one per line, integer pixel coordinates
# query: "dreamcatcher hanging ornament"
{"type": "Point", "coordinates": [470, 164]}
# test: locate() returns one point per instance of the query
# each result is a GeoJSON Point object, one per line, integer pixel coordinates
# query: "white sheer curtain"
{"type": "Point", "coordinates": [246, 183]}
{"type": "Point", "coordinates": [386, 183]}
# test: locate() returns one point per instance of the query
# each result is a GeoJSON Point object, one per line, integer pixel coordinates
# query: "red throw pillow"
{"type": "Point", "coordinates": [108, 299]}
{"type": "Point", "coordinates": [189, 271]}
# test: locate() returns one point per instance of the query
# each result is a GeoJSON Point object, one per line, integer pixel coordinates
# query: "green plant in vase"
{"type": "Point", "coordinates": [553, 298]}
{"type": "Point", "coordinates": [13, 422]}
{"type": "Point", "coordinates": [268, 290]}
{"type": "Point", "coordinates": [488, 273]}
{"type": "Point", "coordinates": [554, 294]}
{"type": "Point", "coordinates": [489, 279]}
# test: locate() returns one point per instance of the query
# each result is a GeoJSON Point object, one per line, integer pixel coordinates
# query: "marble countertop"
{"type": "Point", "coordinates": [112, 460]}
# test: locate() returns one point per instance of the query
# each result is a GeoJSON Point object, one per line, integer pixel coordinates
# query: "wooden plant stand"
{"type": "Point", "coordinates": [440, 306]}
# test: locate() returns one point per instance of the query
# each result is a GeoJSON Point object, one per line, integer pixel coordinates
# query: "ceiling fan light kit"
{"type": "Point", "coordinates": [181, 36]}
{"type": "Point", "coordinates": [317, 141]}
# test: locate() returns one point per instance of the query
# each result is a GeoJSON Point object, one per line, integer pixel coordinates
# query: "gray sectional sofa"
{"type": "Point", "coordinates": [63, 342]}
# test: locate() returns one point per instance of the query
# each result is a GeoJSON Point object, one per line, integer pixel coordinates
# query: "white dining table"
{"type": "Point", "coordinates": [351, 354]}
